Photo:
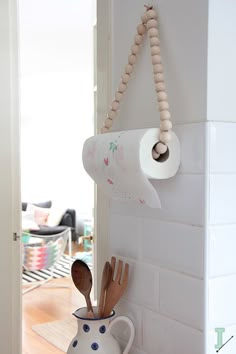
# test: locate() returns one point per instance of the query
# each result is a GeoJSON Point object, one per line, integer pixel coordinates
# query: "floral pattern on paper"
{"type": "Point", "coordinates": [106, 161]}
{"type": "Point", "coordinates": [113, 146]}
{"type": "Point", "coordinates": [142, 201]}
{"type": "Point", "coordinates": [110, 181]}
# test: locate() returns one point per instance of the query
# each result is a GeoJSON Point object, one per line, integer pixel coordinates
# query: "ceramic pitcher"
{"type": "Point", "coordinates": [94, 334]}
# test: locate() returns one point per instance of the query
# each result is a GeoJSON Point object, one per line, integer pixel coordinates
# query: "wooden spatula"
{"type": "Point", "coordinates": [106, 280]}
{"type": "Point", "coordinates": [117, 286]}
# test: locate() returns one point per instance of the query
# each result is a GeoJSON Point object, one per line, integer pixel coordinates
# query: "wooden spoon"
{"type": "Point", "coordinates": [83, 281]}
{"type": "Point", "coordinates": [106, 280]}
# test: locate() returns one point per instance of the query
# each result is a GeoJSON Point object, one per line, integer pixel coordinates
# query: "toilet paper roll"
{"type": "Point", "coordinates": [121, 164]}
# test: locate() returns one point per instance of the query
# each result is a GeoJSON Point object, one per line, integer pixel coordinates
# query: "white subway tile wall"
{"type": "Point", "coordinates": [182, 298]}
{"type": "Point", "coordinates": [221, 233]}
{"type": "Point", "coordinates": [143, 285]}
{"type": "Point", "coordinates": [166, 336]}
{"type": "Point", "coordinates": [222, 295]}
{"type": "Point", "coordinates": [222, 147]}
{"type": "Point", "coordinates": [222, 198]}
{"type": "Point", "coordinates": [222, 245]}
{"type": "Point", "coordinates": [182, 200]}
{"type": "Point", "coordinates": [165, 250]}
{"type": "Point", "coordinates": [174, 245]}
{"type": "Point", "coordinates": [192, 140]}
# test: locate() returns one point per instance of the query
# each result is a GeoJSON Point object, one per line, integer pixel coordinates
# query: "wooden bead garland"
{"type": "Point", "coordinates": [141, 29]}
{"type": "Point", "coordinates": [151, 13]}
{"type": "Point", "coordinates": [118, 96]}
{"type": "Point", "coordinates": [111, 114]}
{"type": "Point", "coordinates": [157, 69]}
{"type": "Point", "coordinates": [122, 87]}
{"type": "Point", "coordinates": [155, 50]}
{"type": "Point", "coordinates": [162, 96]}
{"type": "Point", "coordinates": [135, 49]}
{"type": "Point", "coordinates": [125, 78]}
{"type": "Point", "coordinates": [149, 25]}
{"type": "Point", "coordinates": [129, 69]}
{"type": "Point", "coordinates": [108, 123]}
{"type": "Point", "coordinates": [165, 115]}
{"type": "Point", "coordinates": [115, 105]}
{"type": "Point", "coordinates": [152, 24]}
{"type": "Point", "coordinates": [163, 106]}
{"type": "Point", "coordinates": [153, 32]}
{"type": "Point", "coordinates": [154, 41]}
{"type": "Point", "coordinates": [138, 39]}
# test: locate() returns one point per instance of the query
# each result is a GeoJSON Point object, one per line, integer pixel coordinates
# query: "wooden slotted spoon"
{"type": "Point", "coordinates": [117, 286]}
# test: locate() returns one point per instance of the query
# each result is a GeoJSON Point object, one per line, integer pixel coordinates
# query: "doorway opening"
{"type": "Point", "coordinates": [56, 40]}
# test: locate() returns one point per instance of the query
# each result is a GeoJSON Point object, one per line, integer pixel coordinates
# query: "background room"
{"type": "Point", "coordinates": [57, 103]}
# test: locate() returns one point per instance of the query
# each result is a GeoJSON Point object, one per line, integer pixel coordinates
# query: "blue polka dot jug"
{"type": "Point", "coordinates": [94, 334]}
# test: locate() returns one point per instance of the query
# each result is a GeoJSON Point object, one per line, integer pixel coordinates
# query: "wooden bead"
{"type": "Point", "coordinates": [151, 24]}
{"type": "Point", "coordinates": [165, 125]}
{"type": "Point", "coordinates": [157, 69]}
{"type": "Point", "coordinates": [155, 154]}
{"type": "Point", "coordinates": [155, 50]}
{"type": "Point", "coordinates": [115, 105]}
{"type": "Point", "coordinates": [108, 123]}
{"type": "Point", "coordinates": [118, 96]}
{"type": "Point", "coordinates": [163, 105]}
{"type": "Point", "coordinates": [153, 32]}
{"type": "Point", "coordinates": [154, 41]}
{"type": "Point", "coordinates": [151, 14]}
{"type": "Point", "coordinates": [122, 87]}
{"type": "Point", "coordinates": [165, 115]}
{"type": "Point", "coordinates": [156, 59]}
{"type": "Point", "coordinates": [165, 137]}
{"type": "Point", "coordinates": [138, 39]}
{"type": "Point", "coordinates": [162, 96]}
{"type": "Point", "coordinates": [135, 49]}
{"type": "Point", "coordinates": [129, 69]}
{"type": "Point", "coordinates": [144, 18]}
{"type": "Point", "coordinates": [112, 114]}
{"type": "Point", "coordinates": [160, 86]}
{"type": "Point", "coordinates": [132, 59]}
{"type": "Point", "coordinates": [159, 77]}
{"type": "Point", "coordinates": [104, 130]}
{"type": "Point", "coordinates": [141, 29]}
{"type": "Point", "coordinates": [125, 78]}
{"type": "Point", "coordinates": [160, 148]}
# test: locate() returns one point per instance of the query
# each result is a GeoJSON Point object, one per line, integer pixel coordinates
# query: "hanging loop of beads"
{"type": "Point", "coordinates": [149, 26]}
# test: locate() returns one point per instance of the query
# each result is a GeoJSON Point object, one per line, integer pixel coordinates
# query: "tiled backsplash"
{"type": "Point", "coordinates": [178, 252]}
{"type": "Point", "coordinates": [222, 235]}
{"type": "Point", "coordinates": [165, 249]}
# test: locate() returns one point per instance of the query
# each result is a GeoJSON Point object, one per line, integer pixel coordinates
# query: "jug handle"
{"type": "Point", "coordinates": [131, 327]}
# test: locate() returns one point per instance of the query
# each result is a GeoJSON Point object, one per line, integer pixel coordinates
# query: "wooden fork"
{"type": "Point", "coordinates": [117, 286]}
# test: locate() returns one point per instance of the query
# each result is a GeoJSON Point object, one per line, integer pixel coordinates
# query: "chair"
{"type": "Point", "coordinates": [42, 252]}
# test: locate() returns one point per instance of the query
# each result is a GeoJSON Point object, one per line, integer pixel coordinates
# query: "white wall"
{"type": "Point", "coordinates": [183, 268]}
{"type": "Point", "coordinates": [165, 248]}
{"type": "Point", "coordinates": [221, 61]}
{"type": "Point", "coordinates": [221, 172]}
{"type": "Point", "coordinates": [57, 114]}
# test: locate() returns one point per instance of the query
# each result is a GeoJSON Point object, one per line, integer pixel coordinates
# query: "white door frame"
{"type": "Point", "coordinates": [103, 98]}
{"type": "Point", "coordinates": [10, 298]}
{"type": "Point", "coordinates": [10, 260]}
